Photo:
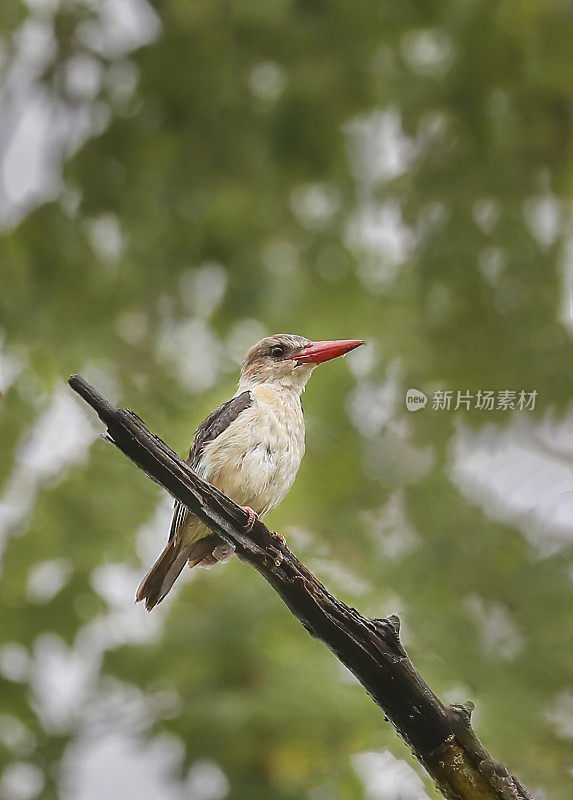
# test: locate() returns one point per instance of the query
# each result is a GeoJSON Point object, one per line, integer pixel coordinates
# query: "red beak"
{"type": "Point", "coordinates": [317, 352]}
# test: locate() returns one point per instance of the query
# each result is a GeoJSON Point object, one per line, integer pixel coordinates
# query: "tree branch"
{"type": "Point", "coordinates": [440, 737]}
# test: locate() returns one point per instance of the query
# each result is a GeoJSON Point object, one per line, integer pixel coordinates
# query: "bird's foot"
{"type": "Point", "coordinates": [279, 559]}
{"type": "Point", "coordinates": [251, 518]}
{"type": "Point", "coordinates": [280, 537]}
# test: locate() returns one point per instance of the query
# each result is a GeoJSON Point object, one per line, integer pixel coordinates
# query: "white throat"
{"type": "Point", "coordinates": [293, 381]}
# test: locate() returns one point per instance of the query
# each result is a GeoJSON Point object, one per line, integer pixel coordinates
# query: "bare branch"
{"type": "Point", "coordinates": [440, 737]}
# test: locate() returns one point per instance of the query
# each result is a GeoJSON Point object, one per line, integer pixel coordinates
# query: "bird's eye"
{"type": "Point", "coordinates": [277, 351]}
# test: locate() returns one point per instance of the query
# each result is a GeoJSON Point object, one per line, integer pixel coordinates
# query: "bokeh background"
{"type": "Point", "coordinates": [179, 178]}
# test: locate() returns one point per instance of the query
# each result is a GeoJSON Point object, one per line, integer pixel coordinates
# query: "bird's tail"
{"type": "Point", "coordinates": [203, 552]}
{"type": "Point", "coordinates": [162, 574]}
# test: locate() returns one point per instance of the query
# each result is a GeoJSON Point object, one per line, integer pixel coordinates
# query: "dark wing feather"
{"type": "Point", "coordinates": [180, 513]}
{"type": "Point", "coordinates": [217, 422]}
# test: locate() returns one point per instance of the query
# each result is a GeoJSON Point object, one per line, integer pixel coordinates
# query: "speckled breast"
{"type": "Point", "coordinates": [256, 459]}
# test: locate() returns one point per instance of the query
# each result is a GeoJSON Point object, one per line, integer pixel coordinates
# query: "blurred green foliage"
{"type": "Point", "coordinates": [238, 155]}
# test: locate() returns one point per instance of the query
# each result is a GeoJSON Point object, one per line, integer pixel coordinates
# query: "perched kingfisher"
{"type": "Point", "coordinates": [250, 448]}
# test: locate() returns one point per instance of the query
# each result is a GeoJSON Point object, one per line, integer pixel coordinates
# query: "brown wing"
{"type": "Point", "coordinates": [217, 422]}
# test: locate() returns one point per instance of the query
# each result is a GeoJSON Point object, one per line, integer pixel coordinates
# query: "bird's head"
{"type": "Point", "coordinates": [288, 361]}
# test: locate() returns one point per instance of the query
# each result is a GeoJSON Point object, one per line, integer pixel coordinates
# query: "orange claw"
{"type": "Point", "coordinates": [251, 517]}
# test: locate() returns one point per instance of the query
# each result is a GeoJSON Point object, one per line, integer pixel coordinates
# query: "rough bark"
{"type": "Point", "coordinates": [441, 737]}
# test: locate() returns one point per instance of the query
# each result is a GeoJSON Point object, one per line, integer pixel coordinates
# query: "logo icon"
{"type": "Point", "coordinates": [415, 400]}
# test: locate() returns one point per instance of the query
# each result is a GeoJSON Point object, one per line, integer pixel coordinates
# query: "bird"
{"type": "Point", "coordinates": [250, 448]}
